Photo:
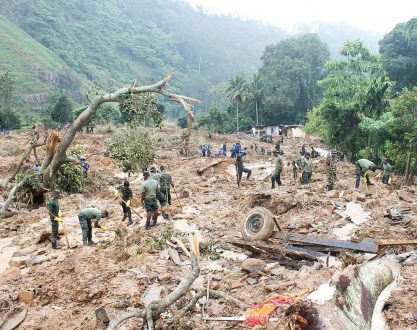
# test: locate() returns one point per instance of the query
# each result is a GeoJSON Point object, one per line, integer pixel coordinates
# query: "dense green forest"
{"type": "Point", "coordinates": [369, 104]}
{"type": "Point", "coordinates": [73, 44]}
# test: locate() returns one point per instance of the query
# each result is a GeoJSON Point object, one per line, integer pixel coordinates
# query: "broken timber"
{"type": "Point", "coordinates": [367, 244]}
{"type": "Point", "coordinates": [205, 168]}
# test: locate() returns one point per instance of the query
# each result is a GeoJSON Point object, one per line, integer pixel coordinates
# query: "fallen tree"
{"type": "Point", "coordinates": [56, 147]}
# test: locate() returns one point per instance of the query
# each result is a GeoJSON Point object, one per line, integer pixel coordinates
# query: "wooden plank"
{"type": "Point", "coordinates": [391, 242]}
{"type": "Point", "coordinates": [367, 245]}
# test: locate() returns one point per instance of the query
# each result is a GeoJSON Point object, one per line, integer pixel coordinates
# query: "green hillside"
{"type": "Point", "coordinates": [114, 42]}
{"type": "Point", "coordinates": [34, 68]}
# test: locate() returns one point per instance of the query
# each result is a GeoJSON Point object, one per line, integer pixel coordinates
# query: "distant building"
{"type": "Point", "coordinates": [296, 131]}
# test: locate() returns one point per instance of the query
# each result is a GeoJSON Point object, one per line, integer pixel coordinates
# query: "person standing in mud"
{"type": "Point", "coordinates": [159, 195]}
{"type": "Point", "coordinates": [279, 163]}
{"type": "Point", "coordinates": [307, 168]}
{"type": "Point", "coordinates": [303, 150]}
{"type": "Point", "coordinates": [386, 168]}
{"type": "Point", "coordinates": [126, 196]}
{"type": "Point", "coordinates": [85, 217]}
{"type": "Point", "coordinates": [331, 162]}
{"type": "Point", "coordinates": [53, 207]}
{"type": "Point", "coordinates": [148, 191]}
{"type": "Point", "coordinates": [166, 183]}
{"type": "Point", "coordinates": [240, 169]}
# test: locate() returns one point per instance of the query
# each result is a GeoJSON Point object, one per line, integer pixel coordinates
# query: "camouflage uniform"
{"type": "Point", "coordinates": [386, 167]}
{"type": "Point", "coordinates": [159, 195]}
{"type": "Point", "coordinates": [165, 182]}
{"type": "Point", "coordinates": [276, 177]}
{"type": "Point", "coordinates": [126, 194]}
{"type": "Point", "coordinates": [331, 171]}
{"type": "Point", "coordinates": [53, 207]}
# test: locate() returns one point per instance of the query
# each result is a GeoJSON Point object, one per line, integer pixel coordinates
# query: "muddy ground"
{"type": "Point", "coordinates": [62, 288]}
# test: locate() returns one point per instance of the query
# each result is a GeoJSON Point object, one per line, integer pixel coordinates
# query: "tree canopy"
{"type": "Point", "coordinates": [398, 51]}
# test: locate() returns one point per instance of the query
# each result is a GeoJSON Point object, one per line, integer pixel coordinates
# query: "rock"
{"type": "Point", "coordinates": [356, 196]}
{"type": "Point", "coordinates": [405, 196]}
{"type": "Point", "coordinates": [153, 276]}
{"type": "Point", "coordinates": [37, 260]}
{"type": "Point", "coordinates": [164, 255]}
{"type": "Point", "coordinates": [27, 297]}
{"type": "Point", "coordinates": [333, 194]}
{"type": "Point", "coordinates": [414, 314]}
{"type": "Point", "coordinates": [252, 280]}
{"type": "Point", "coordinates": [214, 285]}
{"type": "Point", "coordinates": [271, 266]}
{"type": "Point", "coordinates": [253, 265]}
{"type": "Point", "coordinates": [185, 194]}
{"type": "Point", "coordinates": [18, 261]}
{"type": "Point", "coordinates": [303, 231]}
{"type": "Point", "coordinates": [280, 286]}
{"type": "Point", "coordinates": [319, 190]}
{"type": "Point", "coordinates": [164, 277]}
{"type": "Point", "coordinates": [101, 316]}
{"type": "Point", "coordinates": [373, 203]}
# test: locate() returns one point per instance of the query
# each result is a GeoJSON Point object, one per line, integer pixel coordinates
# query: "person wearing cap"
{"type": "Point", "coordinates": [148, 191]}
{"type": "Point", "coordinates": [85, 217]}
{"type": "Point", "coordinates": [240, 169]}
{"type": "Point", "coordinates": [279, 163]}
{"type": "Point", "coordinates": [159, 195]}
{"type": "Point", "coordinates": [53, 208]}
{"type": "Point", "coordinates": [386, 168]}
{"type": "Point", "coordinates": [166, 184]}
{"type": "Point", "coordinates": [362, 167]}
{"type": "Point", "coordinates": [126, 195]}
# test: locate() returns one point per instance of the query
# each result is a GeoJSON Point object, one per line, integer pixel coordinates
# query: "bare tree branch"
{"type": "Point", "coordinates": [12, 195]}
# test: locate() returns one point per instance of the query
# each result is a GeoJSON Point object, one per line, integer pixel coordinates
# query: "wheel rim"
{"type": "Point", "coordinates": [254, 224]}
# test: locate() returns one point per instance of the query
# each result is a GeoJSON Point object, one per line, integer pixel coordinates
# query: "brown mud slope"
{"type": "Point", "coordinates": [62, 288]}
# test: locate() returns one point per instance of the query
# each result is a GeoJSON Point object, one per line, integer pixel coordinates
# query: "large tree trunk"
{"type": "Point", "coordinates": [407, 169]}
{"type": "Point", "coordinates": [237, 116]}
{"type": "Point", "coordinates": [352, 306]}
{"type": "Point", "coordinates": [256, 110]}
{"type": "Point", "coordinates": [57, 148]}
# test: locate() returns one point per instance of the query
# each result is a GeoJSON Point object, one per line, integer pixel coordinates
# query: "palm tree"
{"type": "Point", "coordinates": [237, 92]}
{"type": "Point", "coordinates": [256, 90]}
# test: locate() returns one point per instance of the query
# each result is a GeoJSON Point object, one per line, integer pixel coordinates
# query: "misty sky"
{"type": "Point", "coordinates": [371, 15]}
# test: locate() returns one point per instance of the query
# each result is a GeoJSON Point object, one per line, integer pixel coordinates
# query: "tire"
{"type": "Point", "coordinates": [258, 224]}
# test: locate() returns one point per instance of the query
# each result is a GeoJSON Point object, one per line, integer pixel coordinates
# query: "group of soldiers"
{"type": "Point", "coordinates": [304, 165]}
{"type": "Point", "coordinates": [156, 187]}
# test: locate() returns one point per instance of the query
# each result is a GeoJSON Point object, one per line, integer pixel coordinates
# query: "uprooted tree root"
{"type": "Point", "coordinates": [154, 310]}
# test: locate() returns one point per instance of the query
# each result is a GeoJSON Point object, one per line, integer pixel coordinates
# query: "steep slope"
{"type": "Point", "coordinates": [114, 42]}
{"type": "Point", "coordinates": [34, 68]}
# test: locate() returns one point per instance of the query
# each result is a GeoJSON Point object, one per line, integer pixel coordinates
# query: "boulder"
{"type": "Point", "coordinates": [356, 196]}
{"type": "Point", "coordinates": [319, 190]}
{"type": "Point", "coordinates": [18, 261]}
{"type": "Point", "coordinates": [37, 260]}
{"type": "Point", "coordinates": [164, 277]}
{"type": "Point", "coordinates": [253, 265]}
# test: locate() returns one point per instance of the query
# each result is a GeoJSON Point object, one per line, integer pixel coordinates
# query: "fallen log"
{"type": "Point", "coordinates": [355, 294]}
{"type": "Point", "coordinates": [213, 164]}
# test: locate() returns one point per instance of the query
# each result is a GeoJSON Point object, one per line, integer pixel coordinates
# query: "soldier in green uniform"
{"type": "Point", "coordinates": [159, 195]}
{"type": "Point", "coordinates": [148, 191]}
{"type": "Point", "coordinates": [85, 217]}
{"type": "Point", "coordinates": [307, 168]}
{"type": "Point", "coordinates": [386, 167]}
{"type": "Point", "coordinates": [53, 207]}
{"type": "Point", "coordinates": [279, 163]}
{"type": "Point", "coordinates": [166, 183]}
{"type": "Point", "coordinates": [331, 162]}
{"type": "Point", "coordinates": [362, 166]}
{"type": "Point", "coordinates": [126, 194]}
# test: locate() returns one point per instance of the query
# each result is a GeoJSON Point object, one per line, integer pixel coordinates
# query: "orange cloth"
{"type": "Point", "coordinates": [260, 314]}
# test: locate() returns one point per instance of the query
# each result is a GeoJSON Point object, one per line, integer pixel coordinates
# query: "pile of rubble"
{"type": "Point", "coordinates": [66, 288]}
